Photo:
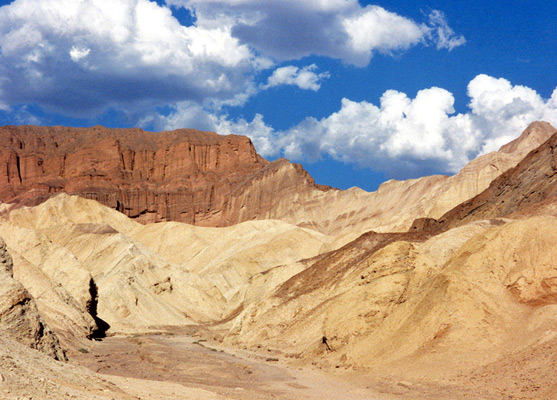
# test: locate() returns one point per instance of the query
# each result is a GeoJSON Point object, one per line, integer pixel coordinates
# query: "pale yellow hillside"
{"type": "Point", "coordinates": [228, 257]}
{"type": "Point", "coordinates": [54, 277]}
{"type": "Point", "coordinates": [146, 275]}
{"type": "Point", "coordinates": [462, 299]}
{"type": "Point", "coordinates": [66, 210]}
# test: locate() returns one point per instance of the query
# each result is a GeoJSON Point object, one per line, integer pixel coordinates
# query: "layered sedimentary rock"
{"type": "Point", "coordinates": [283, 191]}
{"type": "Point", "coordinates": [450, 292]}
{"type": "Point", "coordinates": [184, 175]}
{"type": "Point", "coordinates": [19, 316]}
{"type": "Point", "coordinates": [530, 188]}
{"type": "Point", "coordinates": [210, 180]}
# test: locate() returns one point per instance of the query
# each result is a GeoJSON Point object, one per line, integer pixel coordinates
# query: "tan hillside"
{"type": "Point", "coordinates": [228, 257]}
{"type": "Point", "coordinates": [490, 292]}
{"type": "Point", "coordinates": [19, 316]}
{"type": "Point", "coordinates": [396, 204]}
{"type": "Point", "coordinates": [147, 275]}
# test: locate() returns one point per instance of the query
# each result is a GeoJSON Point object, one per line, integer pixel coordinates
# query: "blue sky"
{"type": "Point", "coordinates": [358, 92]}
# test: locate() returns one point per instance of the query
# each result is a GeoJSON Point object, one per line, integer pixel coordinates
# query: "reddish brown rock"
{"type": "Point", "coordinates": [526, 190]}
{"type": "Point", "coordinates": [206, 179]}
{"type": "Point", "coordinates": [183, 175]}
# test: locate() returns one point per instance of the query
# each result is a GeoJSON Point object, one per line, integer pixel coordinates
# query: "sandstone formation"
{"type": "Point", "coordinates": [19, 316]}
{"type": "Point", "coordinates": [184, 175]}
{"type": "Point", "coordinates": [530, 188]}
{"type": "Point", "coordinates": [211, 180]}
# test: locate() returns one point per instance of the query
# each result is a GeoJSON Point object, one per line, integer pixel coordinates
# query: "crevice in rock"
{"type": "Point", "coordinates": [102, 326]}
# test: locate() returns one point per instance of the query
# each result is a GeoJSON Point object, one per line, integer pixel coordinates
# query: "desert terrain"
{"type": "Point", "coordinates": [182, 265]}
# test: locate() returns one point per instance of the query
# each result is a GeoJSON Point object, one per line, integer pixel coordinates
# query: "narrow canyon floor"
{"type": "Point", "coordinates": [184, 364]}
{"type": "Point", "coordinates": [189, 364]}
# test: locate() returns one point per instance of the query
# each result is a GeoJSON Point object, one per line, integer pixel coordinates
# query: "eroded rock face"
{"type": "Point", "coordinates": [528, 189]}
{"type": "Point", "coordinates": [19, 316]}
{"type": "Point", "coordinates": [206, 179]}
{"type": "Point", "coordinates": [184, 175]}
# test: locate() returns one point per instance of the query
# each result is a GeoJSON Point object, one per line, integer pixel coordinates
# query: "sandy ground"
{"type": "Point", "coordinates": [170, 366]}
{"type": "Point", "coordinates": [185, 366]}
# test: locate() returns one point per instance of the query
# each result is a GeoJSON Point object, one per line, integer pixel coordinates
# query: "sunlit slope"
{"type": "Point", "coordinates": [346, 214]}
{"type": "Point", "coordinates": [229, 256]}
{"type": "Point", "coordinates": [460, 299]}
{"type": "Point", "coordinates": [146, 275]}
{"type": "Point", "coordinates": [58, 282]}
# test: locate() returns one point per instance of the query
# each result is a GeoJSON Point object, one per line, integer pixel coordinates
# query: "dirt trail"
{"type": "Point", "coordinates": [182, 367]}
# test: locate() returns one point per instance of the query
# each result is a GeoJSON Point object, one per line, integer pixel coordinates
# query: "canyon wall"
{"type": "Point", "coordinates": [206, 179]}
{"type": "Point", "coordinates": [184, 175]}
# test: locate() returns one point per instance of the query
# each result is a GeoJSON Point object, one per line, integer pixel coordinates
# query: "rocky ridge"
{"type": "Point", "coordinates": [211, 180]}
{"type": "Point", "coordinates": [529, 188]}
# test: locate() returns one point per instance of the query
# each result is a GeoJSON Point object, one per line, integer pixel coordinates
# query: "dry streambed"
{"type": "Point", "coordinates": [167, 366]}
{"type": "Point", "coordinates": [186, 366]}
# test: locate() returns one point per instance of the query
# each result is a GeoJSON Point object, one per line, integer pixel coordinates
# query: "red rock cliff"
{"type": "Point", "coordinates": [183, 175]}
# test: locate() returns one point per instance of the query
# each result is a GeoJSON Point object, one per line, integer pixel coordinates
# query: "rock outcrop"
{"type": "Point", "coordinates": [184, 175]}
{"type": "Point", "coordinates": [528, 189]}
{"type": "Point", "coordinates": [19, 316]}
{"type": "Point", "coordinates": [206, 179]}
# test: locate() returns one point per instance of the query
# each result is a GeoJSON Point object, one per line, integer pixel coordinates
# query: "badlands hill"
{"type": "Point", "coordinates": [184, 175]}
{"type": "Point", "coordinates": [466, 302]}
{"type": "Point", "coordinates": [210, 180]}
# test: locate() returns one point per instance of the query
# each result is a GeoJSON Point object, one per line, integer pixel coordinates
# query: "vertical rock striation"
{"type": "Point", "coordinates": [19, 316]}
{"type": "Point", "coordinates": [184, 175]}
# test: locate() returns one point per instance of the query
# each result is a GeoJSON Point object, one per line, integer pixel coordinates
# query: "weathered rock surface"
{"type": "Point", "coordinates": [184, 175]}
{"type": "Point", "coordinates": [211, 180]}
{"type": "Point", "coordinates": [528, 189]}
{"type": "Point", "coordinates": [63, 289]}
{"type": "Point", "coordinates": [29, 374]}
{"type": "Point", "coordinates": [464, 298]}
{"type": "Point", "coordinates": [168, 273]}
{"type": "Point", "coordinates": [19, 316]}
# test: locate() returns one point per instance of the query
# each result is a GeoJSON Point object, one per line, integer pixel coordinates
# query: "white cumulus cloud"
{"type": "Point", "coordinates": [305, 78]}
{"type": "Point", "coordinates": [376, 29]}
{"type": "Point", "coordinates": [81, 57]}
{"type": "Point", "coordinates": [342, 29]}
{"type": "Point", "coordinates": [402, 136]}
{"type": "Point", "coordinates": [409, 137]}
{"type": "Point", "coordinates": [77, 53]}
{"type": "Point", "coordinates": [135, 52]}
